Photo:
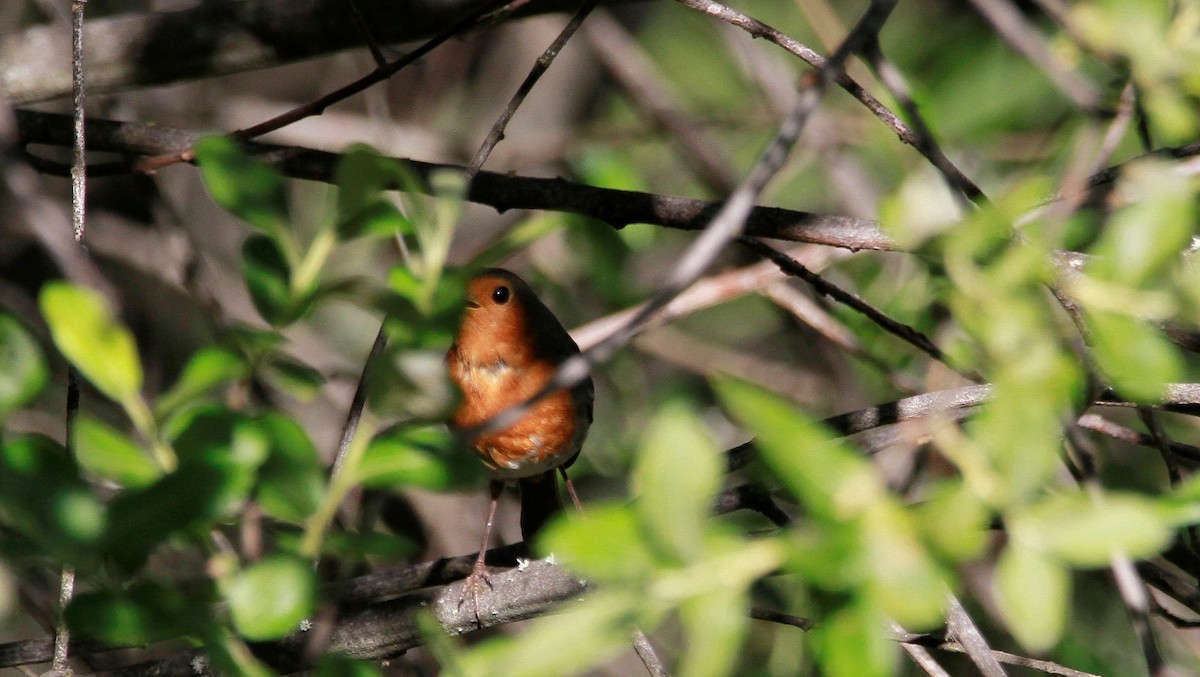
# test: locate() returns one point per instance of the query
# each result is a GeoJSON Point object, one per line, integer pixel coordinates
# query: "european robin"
{"type": "Point", "coordinates": [507, 349]}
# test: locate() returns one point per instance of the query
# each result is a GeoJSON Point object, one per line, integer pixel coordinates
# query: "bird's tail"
{"type": "Point", "coordinates": [539, 502]}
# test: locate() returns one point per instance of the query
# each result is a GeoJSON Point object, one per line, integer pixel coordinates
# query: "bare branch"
{"type": "Point", "coordinates": [219, 37]}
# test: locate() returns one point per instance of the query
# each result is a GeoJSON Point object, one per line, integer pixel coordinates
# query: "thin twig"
{"type": "Point", "coordinates": [66, 589]}
{"type": "Point", "coordinates": [496, 134]}
{"type": "Point", "coordinates": [653, 97]}
{"type": "Point", "coordinates": [727, 225]}
{"type": "Point", "coordinates": [967, 192]}
{"type": "Point", "coordinates": [650, 658]}
{"type": "Point", "coordinates": [1017, 32]}
{"type": "Point", "coordinates": [360, 22]}
{"type": "Point", "coordinates": [964, 630]}
{"type": "Point", "coordinates": [758, 29]}
{"type": "Point", "coordinates": [760, 614]}
{"type": "Point", "coordinates": [824, 287]}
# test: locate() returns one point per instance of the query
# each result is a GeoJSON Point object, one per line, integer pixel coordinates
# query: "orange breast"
{"type": "Point", "coordinates": [546, 436]}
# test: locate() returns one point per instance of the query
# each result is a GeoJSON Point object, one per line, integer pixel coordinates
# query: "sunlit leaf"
{"type": "Point", "coordinates": [237, 182]}
{"type": "Point", "coordinates": [852, 642]}
{"type": "Point", "coordinates": [610, 545]}
{"type": "Point", "coordinates": [1034, 593]}
{"type": "Point", "coordinates": [954, 521]}
{"type": "Point", "coordinates": [1086, 530]}
{"type": "Point", "coordinates": [361, 176]}
{"type": "Point", "coordinates": [86, 332]}
{"type": "Point", "coordinates": [903, 577]}
{"type": "Point", "coordinates": [269, 598]}
{"type": "Point", "coordinates": [714, 627]}
{"type": "Point", "coordinates": [407, 456]}
{"type": "Point", "coordinates": [1144, 237]}
{"type": "Point", "coordinates": [22, 369]}
{"type": "Point", "coordinates": [108, 453]}
{"type": "Point", "coordinates": [678, 472]}
{"type": "Point", "coordinates": [209, 368]}
{"type": "Point", "coordinates": [592, 630]}
{"type": "Point", "coordinates": [1137, 359]}
{"type": "Point", "coordinates": [833, 481]}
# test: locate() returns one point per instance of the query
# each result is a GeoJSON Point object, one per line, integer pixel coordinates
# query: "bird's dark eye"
{"type": "Point", "coordinates": [501, 295]}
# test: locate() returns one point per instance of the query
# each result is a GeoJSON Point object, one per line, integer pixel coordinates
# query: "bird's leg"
{"type": "Point", "coordinates": [478, 577]}
{"type": "Point", "coordinates": [570, 489]}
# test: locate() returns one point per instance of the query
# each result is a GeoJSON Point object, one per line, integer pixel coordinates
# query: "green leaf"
{"type": "Point", "coordinates": [679, 472]}
{"type": "Point", "coordinates": [244, 186]}
{"type": "Point", "coordinates": [377, 219]}
{"type": "Point", "coordinates": [608, 546]}
{"type": "Point", "coordinates": [143, 614]}
{"type": "Point", "coordinates": [832, 480]}
{"type": "Point", "coordinates": [268, 279]}
{"type": "Point", "coordinates": [413, 384]}
{"type": "Point", "coordinates": [1087, 531]}
{"type": "Point", "coordinates": [269, 599]}
{"type": "Point", "coordinates": [209, 368]}
{"type": "Point", "coordinates": [1137, 359]}
{"type": "Point", "coordinates": [361, 176]}
{"type": "Point", "coordinates": [715, 626]}
{"type": "Point", "coordinates": [88, 335]}
{"type": "Point", "coordinates": [22, 369]}
{"type": "Point", "coordinates": [44, 498]}
{"type": "Point", "coordinates": [336, 665]}
{"type": "Point", "coordinates": [954, 521]}
{"type": "Point", "coordinates": [902, 576]}
{"type": "Point", "coordinates": [293, 376]}
{"type": "Point", "coordinates": [292, 478]}
{"type": "Point", "coordinates": [406, 456]}
{"type": "Point", "coordinates": [852, 642]}
{"type": "Point", "coordinates": [592, 630]}
{"type": "Point", "coordinates": [107, 453]}
{"type": "Point", "coordinates": [1143, 238]}
{"type": "Point", "coordinates": [1034, 593]}
{"type": "Point", "coordinates": [219, 455]}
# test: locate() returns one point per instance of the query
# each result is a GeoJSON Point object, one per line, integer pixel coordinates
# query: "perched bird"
{"type": "Point", "coordinates": [507, 349]}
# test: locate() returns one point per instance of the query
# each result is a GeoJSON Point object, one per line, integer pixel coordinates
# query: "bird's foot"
{"type": "Point", "coordinates": [473, 585]}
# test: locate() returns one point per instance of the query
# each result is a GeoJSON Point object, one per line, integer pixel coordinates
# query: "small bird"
{"type": "Point", "coordinates": [508, 347]}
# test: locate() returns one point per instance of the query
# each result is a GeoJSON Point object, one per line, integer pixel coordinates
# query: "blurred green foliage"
{"type": "Point", "coordinates": [191, 465]}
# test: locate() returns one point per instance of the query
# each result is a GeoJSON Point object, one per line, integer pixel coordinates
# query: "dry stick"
{"type": "Point", "coordinates": [935, 641]}
{"type": "Point", "coordinates": [727, 225]}
{"type": "Point", "coordinates": [380, 74]}
{"type": "Point", "coordinates": [1163, 442]}
{"type": "Point", "coordinates": [650, 658]}
{"type": "Point", "coordinates": [318, 106]}
{"type": "Point", "coordinates": [651, 95]}
{"type": "Point", "coordinates": [1023, 37]}
{"type": "Point", "coordinates": [66, 589]}
{"type": "Point", "coordinates": [924, 660]}
{"type": "Point", "coordinates": [889, 75]}
{"type": "Point", "coordinates": [758, 29]}
{"type": "Point", "coordinates": [358, 402]}
{"type": "Point", "coordinates": [826, 288]}
{"type": "Point", "coordinates": [963, 629]}
{"type": "Point", "coordinates": [503, 191]}
{"type": "Point", "coordinates": [1097, 423]}
{"type": "Point", "coordinates": [496, 134]}
{"type": "Point", "coordinates": [360, 22]}
{"type": "Point", "coordinates": [653, 98]}
{"type": "Point", "coordinates": [1132, 589]}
